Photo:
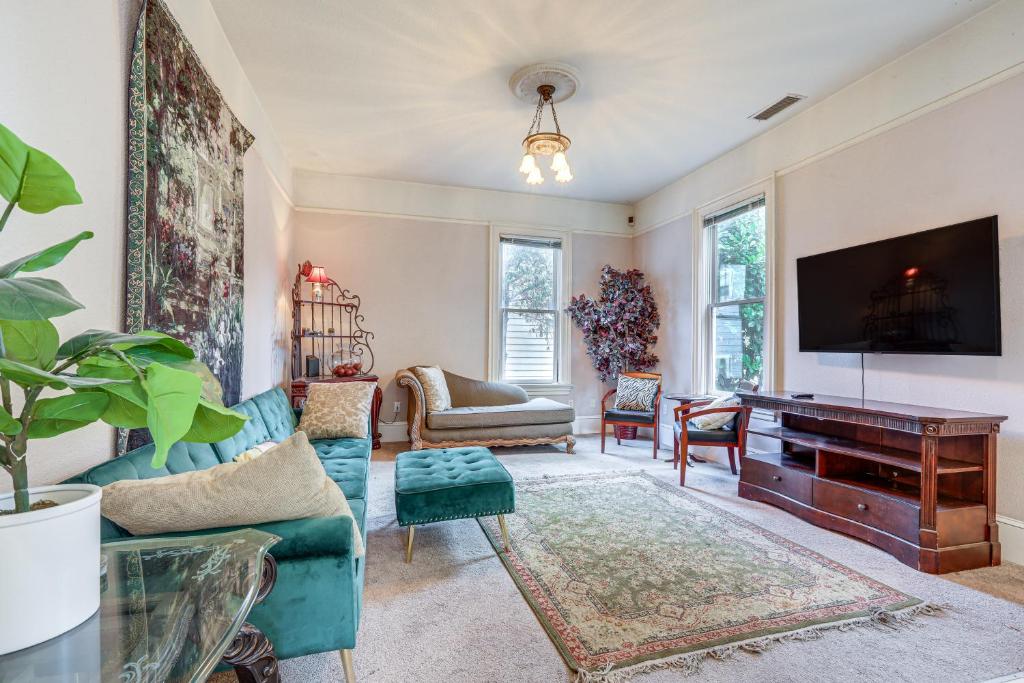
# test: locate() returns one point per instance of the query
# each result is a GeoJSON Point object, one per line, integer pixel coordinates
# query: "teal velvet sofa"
{"type": "Point", "coordinates": [316, 601]}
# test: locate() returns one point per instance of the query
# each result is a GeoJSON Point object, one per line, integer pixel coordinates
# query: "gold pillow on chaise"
{"type": "Point", "coordinates": [435, 388]}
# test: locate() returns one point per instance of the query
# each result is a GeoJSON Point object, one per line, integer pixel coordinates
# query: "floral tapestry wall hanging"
{"type": "Point", "coordinates": [185, 204]}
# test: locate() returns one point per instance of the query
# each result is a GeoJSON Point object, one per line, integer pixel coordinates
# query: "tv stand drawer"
{"type": "Point", "coordinates": [867, 507]}
{"type": "Point", "coordinates": [791, 482]}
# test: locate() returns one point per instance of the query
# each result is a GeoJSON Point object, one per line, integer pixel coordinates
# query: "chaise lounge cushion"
{"type": "Point", "coordinates": [534, 412]}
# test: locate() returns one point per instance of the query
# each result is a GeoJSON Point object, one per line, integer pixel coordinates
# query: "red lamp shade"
{"type": "Point", "coordinates": [317, 276]}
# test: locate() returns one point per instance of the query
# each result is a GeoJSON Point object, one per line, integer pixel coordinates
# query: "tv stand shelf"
{"type": "Point", "coordinates": [915, 481]}
{"type": "Point", "coordinates": [887, 455]}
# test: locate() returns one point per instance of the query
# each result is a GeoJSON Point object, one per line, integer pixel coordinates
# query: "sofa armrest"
{"type": "Point", "coordinates": [417, 412]}
{"type": "Point", "coordinates": [474, 393]}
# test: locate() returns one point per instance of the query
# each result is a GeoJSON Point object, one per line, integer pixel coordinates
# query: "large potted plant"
{"type": "Point", "coordinates": [618, 327]}
{"type": "Point", "coordinates": [50, 535]}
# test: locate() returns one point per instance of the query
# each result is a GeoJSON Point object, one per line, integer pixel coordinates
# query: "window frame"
{"type": "Point", "coordinates": [495, 360]}
{"type": "Point", "coordinates": [705, 287]}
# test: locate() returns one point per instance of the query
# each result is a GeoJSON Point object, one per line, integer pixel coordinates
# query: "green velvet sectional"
{"type": "Point", "coordinates": [315, 604]}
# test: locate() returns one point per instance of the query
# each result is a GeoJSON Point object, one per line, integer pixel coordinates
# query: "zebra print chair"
{"type": "Point", "coordinates": [625, 421]}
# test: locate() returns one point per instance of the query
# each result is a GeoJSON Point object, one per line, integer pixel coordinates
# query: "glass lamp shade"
{"type": "Point", "coordinates": [558, 162]}
{"type": "Point", "coordinates": [528, 164]}
{"type": "Point", "coordinates": [535, 178]}
{"type": "Point", "coordinates": [564, 175]}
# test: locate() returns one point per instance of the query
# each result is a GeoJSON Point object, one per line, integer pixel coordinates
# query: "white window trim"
{"type": "Point", "coordinates": [563, 385]}
{"type": "Point", "coordinates": [703, 281]}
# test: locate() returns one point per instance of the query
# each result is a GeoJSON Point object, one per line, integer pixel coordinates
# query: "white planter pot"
{"type": "Point", "coordinates": [50, 571]}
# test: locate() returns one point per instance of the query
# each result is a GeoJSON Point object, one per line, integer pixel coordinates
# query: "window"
{"type": "Point", "coordinates": [734, 330]}
{"type": "Point", "coordinates": [529, 286]}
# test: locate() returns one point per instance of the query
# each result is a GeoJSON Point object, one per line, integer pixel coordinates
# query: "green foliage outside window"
{"type": "Point", "coordinates": [741, 242]}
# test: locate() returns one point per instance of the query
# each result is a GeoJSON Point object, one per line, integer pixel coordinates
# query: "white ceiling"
{"type": "Point", "coordinates": [418, 91]}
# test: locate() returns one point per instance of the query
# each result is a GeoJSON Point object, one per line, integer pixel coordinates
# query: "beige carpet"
{"type": "Point", "coordinates": [455, 614]}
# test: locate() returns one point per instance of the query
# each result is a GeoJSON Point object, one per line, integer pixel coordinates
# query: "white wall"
{"type": "Point", "coordinates": [66, 94]}
{"type": "Point", "coordinates": [957, 62]}
{"type": "Point", "coordinates": [932, 139]}
{"type": "Point", "coordinates": [664, 257]}
{"type": "Point", "coordinates": [955, 164]}
{"type": "Point", "coordinates": [397, 198]}
{"type": "Point", "coordinates": [424, 287]}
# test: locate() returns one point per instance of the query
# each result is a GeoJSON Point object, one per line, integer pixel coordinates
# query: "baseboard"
{"type": "Point", "coordinates": [396, 432]}
{"type": "Point", "coordinates": [1011, 537]}
{"type": "Point", "coordinates": [587, 424]}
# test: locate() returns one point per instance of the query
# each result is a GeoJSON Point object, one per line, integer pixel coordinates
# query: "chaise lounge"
{"type": "Point", "coordinates": [485, 414]}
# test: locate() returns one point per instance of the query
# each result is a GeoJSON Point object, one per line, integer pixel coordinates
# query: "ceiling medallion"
{"type": "Point", "coordinates": [552, 83]}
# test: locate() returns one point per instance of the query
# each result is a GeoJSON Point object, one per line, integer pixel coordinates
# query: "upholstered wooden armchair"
{"type": "Point", "coordinates": [632, 418]}
{"type": "Point", "coordinates": [733, 436]}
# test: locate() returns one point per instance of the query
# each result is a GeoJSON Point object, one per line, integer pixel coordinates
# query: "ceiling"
{"type": "Point", "coordinates": [417, 91]}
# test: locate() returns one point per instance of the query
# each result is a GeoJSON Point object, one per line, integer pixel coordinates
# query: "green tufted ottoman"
{"type": "Point", "coordinates": [439, 484]}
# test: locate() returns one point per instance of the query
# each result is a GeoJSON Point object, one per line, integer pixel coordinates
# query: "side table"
{"type": "Point", "coordinates": [300, 390]}
{"type": "Point", "coordinates": [683, 398]}
{"type": "Point", "coordinates": [171, 609]}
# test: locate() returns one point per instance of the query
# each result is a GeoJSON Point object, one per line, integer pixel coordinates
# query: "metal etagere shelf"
{"type": "Point", "coordinates": [328, 339]}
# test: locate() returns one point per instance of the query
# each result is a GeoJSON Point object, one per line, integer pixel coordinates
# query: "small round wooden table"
{"type": "Point", "coordinates": [683, 398]}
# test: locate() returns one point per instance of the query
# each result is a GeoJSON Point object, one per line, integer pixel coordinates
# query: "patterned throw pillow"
{"type": "Point", "coordinates": [636, 393]}
{"type": "Point", "coordinates": [707, 423]}
{"type": "Point", "coordinates": [435, 388]}
{"type": "Point", "coordinates": [336, 410]}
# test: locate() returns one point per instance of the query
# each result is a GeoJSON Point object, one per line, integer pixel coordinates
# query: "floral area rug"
{"type": "Point", "coordinates": [630, 574]}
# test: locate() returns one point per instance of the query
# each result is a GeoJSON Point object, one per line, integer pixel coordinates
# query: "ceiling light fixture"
{"type": "Point", "coordinates": [552, 83]}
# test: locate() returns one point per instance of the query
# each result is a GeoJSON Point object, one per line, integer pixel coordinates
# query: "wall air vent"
{"type": "Point", "coordinates": [770, 111]}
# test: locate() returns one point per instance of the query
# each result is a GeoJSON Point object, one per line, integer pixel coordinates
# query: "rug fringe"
{"type": "Point", "coordinates": [689, 663]}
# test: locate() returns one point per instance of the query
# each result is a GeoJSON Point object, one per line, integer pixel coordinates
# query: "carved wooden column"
{"type": "Point", "coordinates": [989, 493]}
{"type": "Point", "coordinates": [251, 653]}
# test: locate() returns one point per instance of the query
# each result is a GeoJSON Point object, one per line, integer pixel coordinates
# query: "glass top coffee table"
{"type": "Point", "coordinates": [171, 610]}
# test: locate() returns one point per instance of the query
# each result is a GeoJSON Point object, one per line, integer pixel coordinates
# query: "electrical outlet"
{"type": "Point", "coordinates": [398, 406]}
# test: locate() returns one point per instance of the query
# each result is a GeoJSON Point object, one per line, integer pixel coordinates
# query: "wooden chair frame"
{"type": "Point", "coordinates": [681, 442]}
{"type": "Point", "coordinates": [630, 423]}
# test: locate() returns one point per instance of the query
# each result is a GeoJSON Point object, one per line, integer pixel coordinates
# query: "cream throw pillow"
{"type": "Point", "coordinates": [337, 410]}
{"type": "Point", "coordinates": [254, 452]}
{"type": "Point", "coordinates": [286, 482]}
{"type": "Point", "coordinates": [435, 388]}
{"type": "Point", "coordinates": [715, 420]}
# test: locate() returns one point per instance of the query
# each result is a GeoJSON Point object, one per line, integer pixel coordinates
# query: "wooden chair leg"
{"type": "Point", "coordinates": [732, 458]}
{"type": "Point", "coordinates": [604, 431]}
{"type": "Point", "coordinates": [675, 450]}
{"type": "Point", "coordinates": [655, 454]}
{"type": "Point", "coordinates": [682, 465]}
{"type": "Point", "coordinates": [618, 435]}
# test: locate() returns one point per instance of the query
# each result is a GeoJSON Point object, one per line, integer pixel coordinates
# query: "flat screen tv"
{"type": "Point", "coordinates": [934, 292]}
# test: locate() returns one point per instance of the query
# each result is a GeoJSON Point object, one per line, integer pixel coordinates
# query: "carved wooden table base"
{"type": "Point", "coordinates": [251, 653]}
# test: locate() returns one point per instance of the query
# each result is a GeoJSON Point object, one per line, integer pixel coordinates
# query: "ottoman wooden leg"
{"type": "Point", "coordinates": [504, 532]}
{"type": "Point", "coordinates": [408, 544]}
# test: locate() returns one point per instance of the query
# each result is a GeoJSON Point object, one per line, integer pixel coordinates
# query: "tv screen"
{"type": "Point", "coordinates": [933, 292]}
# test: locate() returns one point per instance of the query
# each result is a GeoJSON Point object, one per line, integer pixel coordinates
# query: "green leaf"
{"type": "Point", "coordinates": [32, 342]}
{"type": "Point", "coordinates": [8, 425]}
{"type": "Point", "coordinates": [53, 416]}
{"type": "Point", "coordinates": [130, 344]}
{"type": "Point", "coordinates": [45, 258]}
{"type": "Point", "coordinates": [33, 178]}
{"type": "Point", "coordinates": [34, 298]}
{"type": "Point", "coordinates": [213, 422]}
{"type": "Point", "coordinates": [100, 366]}
{"type": "Point", "coordinates": [26, 375]}
{"type": "Point", "coordinates": [127, 406]}
{"type": "Point", "coordinates": [173, 397]}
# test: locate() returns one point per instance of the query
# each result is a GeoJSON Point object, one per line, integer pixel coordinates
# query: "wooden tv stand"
{"type": "Point", "coordinates": [918, 482]}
